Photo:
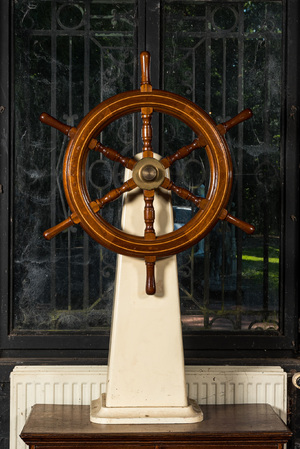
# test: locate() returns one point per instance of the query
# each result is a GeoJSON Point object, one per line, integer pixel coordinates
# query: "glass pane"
{"type": "Point", "coordinates": [69, 56]}
{"type": "Point", "coordinates": [226, 56]}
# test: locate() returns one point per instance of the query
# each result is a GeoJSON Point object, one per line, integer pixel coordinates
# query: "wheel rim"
{"type": "Point", "coordinates": [75, 184]}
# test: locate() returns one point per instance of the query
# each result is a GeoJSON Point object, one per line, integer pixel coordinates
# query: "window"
{"type": "Point", "coordinates": [227, 56]}
{"type": "Point", "coordinates": [66, 57]}
{"type": "Point", "coordinates": [70, 57]}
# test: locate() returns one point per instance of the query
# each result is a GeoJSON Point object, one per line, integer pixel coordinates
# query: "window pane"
{"type": "Point", "coordinates": [226, 56]}
{"type": "Point", "coordinates": [69, 56]}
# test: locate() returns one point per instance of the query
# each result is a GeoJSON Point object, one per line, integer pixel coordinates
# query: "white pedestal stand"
{"type": "Point", "coordinates": [146, 380]}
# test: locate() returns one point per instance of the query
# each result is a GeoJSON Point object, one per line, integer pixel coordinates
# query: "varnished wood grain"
{"type": "Point", "coordinates": [202, 203]}
{"type": "Point", "coordinates": [200, 141]}
{"type": "Point", "coordinates": [114, 194]}
{"type": "Point", "coordinates": [70, 131]}
{"type": "Point", "coordinates": [150, 275]}
{"type": "Point", "coordinates": [230, 426]}
{"type": "Point", "coordinates": [75, 184]}
{"type": "Point", "coordinates": [115, 156]}
{"type": "Point", "coordinates": [94, 205]}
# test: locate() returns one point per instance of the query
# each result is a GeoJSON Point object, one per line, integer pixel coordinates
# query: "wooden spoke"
{"type": "Point", "coordinates": [202, 203]}
{"type": "Point", "coordinates": [147, 132]}
{"type": "Point", "coordinates": [113, 155]}
{"type": "Point", "coordinates": [116, 193]}
{"type": "Point", "coordinates": [146, 112]}
{"type": "Point", "coordinates": [149, 215]}
{"type": "Point", "coordinates": [246, 227]}
{"type": "Point", "coordinates": [150, 276]}
{"type": "Point", "coordinates": [62, 226]}
{"type": "Point", "coordinates": [200, 141]}
{"type": "Point", "coordinates": [181, 153]}
{"type": "Point", "coordinates": [145, 72]}
{"type": "Point", "coordinates": [67, 223]}
{"type": "Point", "coordinates": [70, 131]}
{"type": "Point", "coordinates": [54, 123]}
{"type": "Point", "coordinates": [241, 117]}
{"type": "Point", "coordinates": [95, 206]}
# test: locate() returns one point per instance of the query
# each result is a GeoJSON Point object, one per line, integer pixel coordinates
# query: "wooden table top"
{"type": "Point", "coordinates": [258, 422]}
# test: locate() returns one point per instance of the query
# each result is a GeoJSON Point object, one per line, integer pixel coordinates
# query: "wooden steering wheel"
{"type": "Point", "coordinates": [147, 174]}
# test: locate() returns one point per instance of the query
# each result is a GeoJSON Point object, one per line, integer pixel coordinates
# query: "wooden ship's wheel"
{"type": "Point", "coordinates": [145, 381]}
{"type": "Point", "coordinates": [148, 173]}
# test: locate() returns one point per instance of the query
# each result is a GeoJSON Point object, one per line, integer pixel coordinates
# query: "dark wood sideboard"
{"type": "Point", "coordinates": [224, 426]}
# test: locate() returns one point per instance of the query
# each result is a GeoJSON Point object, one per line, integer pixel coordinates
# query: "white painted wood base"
{"type": "Point", "coordinates": [146, 377]}
{"type": "Point", "coordinates": [100, 414]}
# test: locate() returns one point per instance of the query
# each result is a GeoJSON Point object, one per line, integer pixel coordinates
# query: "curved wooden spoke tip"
{"type": "Point", "coordinates": [246, 227]}
{"type": "Point", "coordinates": [62, 226]}
{"type": "Point", "coordinates": [150, 276]}
{"type": "Point", "coordinates": [54, 123]}
{"type": "Point", "coordinates": [241, 117]}
{"type": "Point", "coordinates": [113, 195]}
{"type": "Point", "coordinates": [145, 68]}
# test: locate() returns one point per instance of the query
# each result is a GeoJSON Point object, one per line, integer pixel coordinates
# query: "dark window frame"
{"type": "Point", "coordinates": [197, 345]}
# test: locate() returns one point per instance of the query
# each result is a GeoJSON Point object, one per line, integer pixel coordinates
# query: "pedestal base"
{"type": "Point", "coordinates": [101, 414]}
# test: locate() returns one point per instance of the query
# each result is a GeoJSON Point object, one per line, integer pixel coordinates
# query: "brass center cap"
{"type": "Point", "coordinates": [148, 173]}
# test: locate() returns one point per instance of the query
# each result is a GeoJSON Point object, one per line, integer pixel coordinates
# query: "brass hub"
{"type": "Point", "coordinates": [148, 173]}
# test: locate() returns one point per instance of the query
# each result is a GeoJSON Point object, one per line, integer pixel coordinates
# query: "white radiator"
{"type": "Point", "coordinates": [80, 384]}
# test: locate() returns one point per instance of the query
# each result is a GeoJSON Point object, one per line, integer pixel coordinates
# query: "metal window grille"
{"type": "Point", "coordinates": [69, 56]}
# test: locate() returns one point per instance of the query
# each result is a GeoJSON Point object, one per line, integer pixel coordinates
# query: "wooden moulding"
{"type": "Point", "coordinates": [230, 426]}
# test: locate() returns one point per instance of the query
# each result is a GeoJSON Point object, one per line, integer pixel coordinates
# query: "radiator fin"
{"type": "Point", "coordinates": [80, 384]}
